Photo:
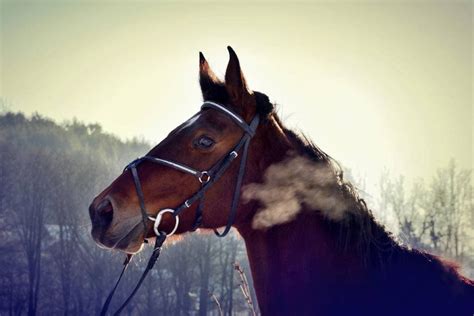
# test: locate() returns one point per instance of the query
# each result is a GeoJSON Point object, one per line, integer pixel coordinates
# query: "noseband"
{"type": "Point", "coordinates": [206, 178]}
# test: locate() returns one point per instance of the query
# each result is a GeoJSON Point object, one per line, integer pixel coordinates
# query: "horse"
{"type": "Point", "coordinates": [313, 245]}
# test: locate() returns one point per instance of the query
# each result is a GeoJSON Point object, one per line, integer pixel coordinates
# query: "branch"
{"type": "Point", "coordinates": [214, 298]}
{"type": "Point", "coordinates": [244, 286]}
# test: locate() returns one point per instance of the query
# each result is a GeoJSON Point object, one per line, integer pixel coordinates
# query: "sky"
{"type": "Point", "coordinates": [377, 85]}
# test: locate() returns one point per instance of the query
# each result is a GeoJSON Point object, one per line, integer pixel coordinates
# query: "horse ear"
{"type": "Point", "coordinates": [234, 80]}
{"type": "Point", "coordinates": [208, 80]}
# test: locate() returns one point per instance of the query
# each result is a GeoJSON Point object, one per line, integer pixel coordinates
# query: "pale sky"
{"type": "Point", "coordinates": [375, 84]}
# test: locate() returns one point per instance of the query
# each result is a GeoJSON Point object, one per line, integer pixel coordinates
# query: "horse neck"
{"type": "Point", "coordinates": [334, 261]}
{"type": "Point", "coordinates": [299, 261]}
{"type": "Point", "coordinates": [295, 260]}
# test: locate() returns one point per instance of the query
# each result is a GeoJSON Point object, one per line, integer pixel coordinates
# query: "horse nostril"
{"type": "Point", "coordinates": [104, 213]}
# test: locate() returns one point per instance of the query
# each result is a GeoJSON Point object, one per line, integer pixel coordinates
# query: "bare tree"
{"type": "Point", "coordinates": [438, 218]}
{"type": "Point", "coordinates": [204, 265]}
{"type": "Point", "coordinates": [30, 204]}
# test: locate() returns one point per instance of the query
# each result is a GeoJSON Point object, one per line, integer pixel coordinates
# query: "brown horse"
{"type": "Point", "coordinates": [313, 246]}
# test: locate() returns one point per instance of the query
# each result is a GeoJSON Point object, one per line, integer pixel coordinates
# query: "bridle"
{"type": "Point", "coordinates": [206, 178]}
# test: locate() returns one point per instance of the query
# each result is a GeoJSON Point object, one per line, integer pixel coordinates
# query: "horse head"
{"type": "Point", "coordinates": [195, 167]}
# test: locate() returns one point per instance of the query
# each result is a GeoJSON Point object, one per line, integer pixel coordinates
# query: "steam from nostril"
{"type": "Point", "coordinates": [105, 213]}
{"type": "Point", "coordinates": [298, 181]}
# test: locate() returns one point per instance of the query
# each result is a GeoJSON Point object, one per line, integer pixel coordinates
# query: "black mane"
{"type": "Point", "coordinates": [359, 231]}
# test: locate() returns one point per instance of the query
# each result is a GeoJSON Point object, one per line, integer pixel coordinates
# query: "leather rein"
{"type": "Point", "coordinates": [206, 178]}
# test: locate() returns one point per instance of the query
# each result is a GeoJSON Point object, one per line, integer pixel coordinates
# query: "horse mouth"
{"type": "Point", "coordinates": [128, 239]}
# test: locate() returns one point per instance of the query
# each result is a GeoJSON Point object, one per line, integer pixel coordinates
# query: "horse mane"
{"type": "Point", "coordinates": [359, 231]}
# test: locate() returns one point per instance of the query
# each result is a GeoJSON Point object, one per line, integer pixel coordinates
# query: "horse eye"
{"type": "Point", "coordinates": [205, 142]}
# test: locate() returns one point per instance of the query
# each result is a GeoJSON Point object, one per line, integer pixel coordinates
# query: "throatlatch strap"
{"type": "Point", "coordinates": [238, 186]}
{"type": "Point", "coordinates": [198, 217]}
{"type": "Point", "coordinates": [236, 197]}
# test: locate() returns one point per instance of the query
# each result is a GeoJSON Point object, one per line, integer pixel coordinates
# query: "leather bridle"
{"type": "Point", "coordinates": [206, 178]}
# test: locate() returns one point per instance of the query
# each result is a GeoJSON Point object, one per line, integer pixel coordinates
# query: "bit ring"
{"type": "Point", "coordinates": [158, 219]}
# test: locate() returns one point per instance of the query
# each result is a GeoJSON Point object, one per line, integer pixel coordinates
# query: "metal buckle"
{"type": "Point", "coordinates": [158, 218]}
{"type": "Point", "coordinates": [204, 177]}
{"type": "Point", "coordinates": [233, 154]}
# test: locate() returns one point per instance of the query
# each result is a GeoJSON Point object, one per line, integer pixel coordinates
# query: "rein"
{"type": "Point", "coordinates": [206, 177]}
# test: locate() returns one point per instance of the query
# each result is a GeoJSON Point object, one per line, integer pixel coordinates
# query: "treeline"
{"type": "Point", "coordinates": [437, 216]}
{"type": "Point", "coordinates": [49, 173]}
